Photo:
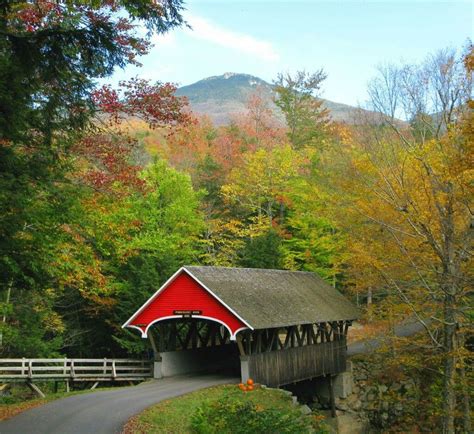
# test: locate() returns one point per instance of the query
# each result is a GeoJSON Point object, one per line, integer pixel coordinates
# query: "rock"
{"type": "Point", "coordinates": [383, 388]}
{"type": "Point", "coordinates": [349, 424]}
{"type": "Point", "coordinates": [295, 400]}
{"type": "Point", "coordinates": [316, 406]}
{"type": "Point", "coordinates": [396, 387]}
{"type": "Point", "coordinates": [369, 406]}
{"type": "Point", "coordinates": [351, 399]}
{"type": "Point", "coordinates": [342, 406]}
{"type": "Point", "coordinates": [305, 409]}
{"type": "Point", "coordinates": [354, 402]}
{"type": "Point", "coordinates": [323, 401]}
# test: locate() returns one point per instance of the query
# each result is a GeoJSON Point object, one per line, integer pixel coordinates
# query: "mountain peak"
{"type": "Point", "coordinates": [239, 76]}
{"type": "Point", "coordinates": [222, 96]}
{"type": "Point", "coordinates": [229, 74]}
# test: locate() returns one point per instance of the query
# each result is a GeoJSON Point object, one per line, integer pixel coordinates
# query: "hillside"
{"type": "Point", "coordinates": [221, 97]}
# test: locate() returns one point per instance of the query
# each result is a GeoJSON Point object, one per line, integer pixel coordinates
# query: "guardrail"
{"type": "Point", "coordinates": [74, 369]}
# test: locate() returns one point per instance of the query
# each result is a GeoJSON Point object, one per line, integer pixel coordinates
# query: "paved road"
{"type": "Point", "coordinates": [104, 411]}
{"type": "Point", "coordinates": [370, 345]}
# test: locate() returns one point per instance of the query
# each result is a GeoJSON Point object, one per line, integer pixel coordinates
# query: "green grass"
{"type": "Point", "coordinates": [174, 415]}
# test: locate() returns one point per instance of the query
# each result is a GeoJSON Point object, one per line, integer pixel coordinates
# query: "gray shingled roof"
{"type": "Point", "coordinates": [275, 298]}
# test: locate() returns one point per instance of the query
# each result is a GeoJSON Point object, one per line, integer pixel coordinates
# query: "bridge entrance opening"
{"type": "Point", "coordinates": [192, 345]}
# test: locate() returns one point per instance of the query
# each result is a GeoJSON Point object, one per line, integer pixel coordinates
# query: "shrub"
{"type": "Point", "coordinates": [237, 416]}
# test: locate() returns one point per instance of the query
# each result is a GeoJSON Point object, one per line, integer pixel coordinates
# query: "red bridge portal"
{"type": "Point", "coordinates": [183, 296]}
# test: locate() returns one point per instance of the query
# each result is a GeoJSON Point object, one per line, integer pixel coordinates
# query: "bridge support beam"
{"type": "Point", "coordinates": [332, 399]}
{"type": "Point", "coordinates": [35, 389]}
{"type": "Point", "coordinates": [157, 367]}
{"type": "Point", "coordinates": [244, 368]}
{"type": "Point", "coordinates": [343, 382]}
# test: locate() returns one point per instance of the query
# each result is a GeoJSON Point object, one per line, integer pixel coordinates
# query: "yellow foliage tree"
{"type": "Point", "coordinates": [406, 204]}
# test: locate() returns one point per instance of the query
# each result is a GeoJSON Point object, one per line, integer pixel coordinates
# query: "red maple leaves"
{"type": "Point", "coordinates": [110, 152]}
{"type": "Point", "coordinates": [156, 104]}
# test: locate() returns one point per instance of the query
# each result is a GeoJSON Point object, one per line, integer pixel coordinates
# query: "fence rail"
{"type": "Point", "coordinates": [74, 369]}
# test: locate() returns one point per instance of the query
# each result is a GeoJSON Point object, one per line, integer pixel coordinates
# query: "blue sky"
{"type": "Point", "coordinates": [346, 38]}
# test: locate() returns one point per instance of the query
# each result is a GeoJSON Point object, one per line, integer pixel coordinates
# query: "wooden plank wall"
{"type": "Point", "coordinates": [277, 368]}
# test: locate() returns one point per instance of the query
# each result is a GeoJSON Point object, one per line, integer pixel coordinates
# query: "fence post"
{"type": "Point", "coordinates": [23, 367]}
{"type": "Point", "coordinates": [30, 368]}
{"type": "Point", "coordinates": [72, 369]}
{"type": "Point", "coordinates": [105, 366]}
{"type": "Point", "coordinates": [114, 372]}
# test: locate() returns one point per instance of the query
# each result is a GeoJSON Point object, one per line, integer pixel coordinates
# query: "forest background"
{"type": "Point", "coordinates": [105, 192]}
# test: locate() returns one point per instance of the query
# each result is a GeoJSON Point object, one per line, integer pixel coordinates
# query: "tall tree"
{"type": "Point", "coordinates": [261, 184]}
{"type": "Point", "coordinates": [51, 54]}
{"type": "Point", "coordinates": [411, 196]}
{"type": "Point", "coordinates": [297, 97]}
{"type": "Point", "coordinates": [260, 127]}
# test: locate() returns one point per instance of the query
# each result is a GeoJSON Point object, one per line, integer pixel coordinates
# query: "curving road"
{"type": "Point", "coordinates": [369, 345]}
{"type": "Point", "coordinates": [104, 411]}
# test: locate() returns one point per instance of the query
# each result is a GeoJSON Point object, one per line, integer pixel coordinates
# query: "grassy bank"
{"type": "Point", "coordinates": [177, 415]}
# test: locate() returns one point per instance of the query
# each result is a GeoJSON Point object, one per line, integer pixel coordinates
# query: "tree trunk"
{"type": "Point", "coordinates": [466, 405]}
{"type": "Point", "coordinates": [7, 301]}
{"type": "Point", "coordinates": [369, 304]}
{"type": "Point", "coordinates": [282, 212]}
{"type": "Point", "coordinates": [449, 393]}
{"type": "Point", "coordinates": [270, 214]}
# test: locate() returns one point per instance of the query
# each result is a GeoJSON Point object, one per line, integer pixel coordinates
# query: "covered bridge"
{"type": "Point", "coordinates": [276, 327]}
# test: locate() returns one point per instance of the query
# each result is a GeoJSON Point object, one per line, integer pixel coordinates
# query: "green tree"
{"type": "Point", "coordinates": [297, 97]}
{"type": "Point", "coordinates": [51, 54]}
{"type": "Point", "coordinates": [262, 251]}
{"type": "Point", "coordinates": [162, 232]}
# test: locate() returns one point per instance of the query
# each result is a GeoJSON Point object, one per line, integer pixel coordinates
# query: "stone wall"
{"type": "Point", "coordinates": [384, 401]}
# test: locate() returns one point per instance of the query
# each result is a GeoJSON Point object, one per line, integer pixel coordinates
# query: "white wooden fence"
{"type": "Point", "coordinates": [74, 370]}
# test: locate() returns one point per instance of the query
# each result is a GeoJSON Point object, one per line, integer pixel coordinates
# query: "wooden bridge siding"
{"type": "Point", "coordinates": [285, 366]}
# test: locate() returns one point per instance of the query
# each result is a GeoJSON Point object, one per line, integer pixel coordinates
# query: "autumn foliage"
{"type": "Point", "coordinates": [107, 190]}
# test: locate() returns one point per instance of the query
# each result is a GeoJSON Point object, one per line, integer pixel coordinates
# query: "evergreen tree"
{"type": "Point", "coordinates": [263, 251]}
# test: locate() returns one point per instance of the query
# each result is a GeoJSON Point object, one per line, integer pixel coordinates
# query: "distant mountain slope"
{"type": "Point", "coordinates": [220, 97]}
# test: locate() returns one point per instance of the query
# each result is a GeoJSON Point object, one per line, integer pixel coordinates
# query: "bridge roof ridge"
{"type": "Point", "coordinates": [269, 298]}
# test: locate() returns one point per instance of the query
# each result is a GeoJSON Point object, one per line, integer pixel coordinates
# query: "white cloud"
{"type": "Point", "coordinates": [208, 31]}
{"type": "Point", "coordinates": [164, 39]}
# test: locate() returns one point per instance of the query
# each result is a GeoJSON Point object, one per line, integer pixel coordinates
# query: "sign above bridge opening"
{"type": "Point", "coordinates": [187, 313]}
